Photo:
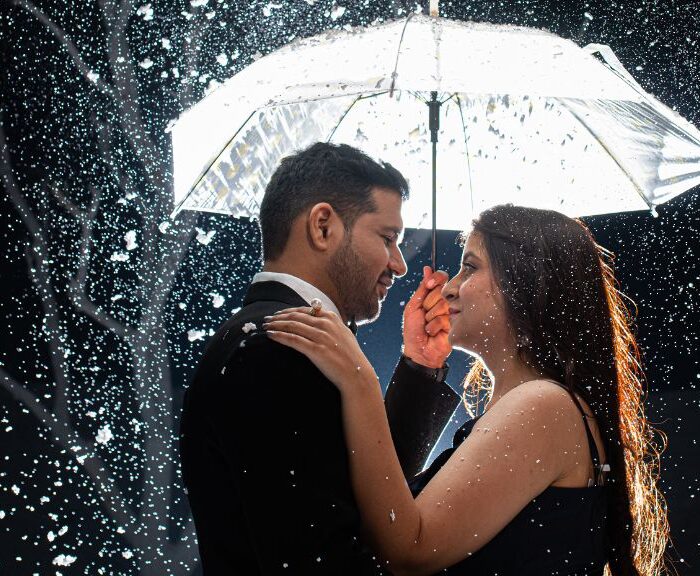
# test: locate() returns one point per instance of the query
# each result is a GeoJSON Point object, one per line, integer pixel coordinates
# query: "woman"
{"type": "Point", "coordinates": [558, 475]}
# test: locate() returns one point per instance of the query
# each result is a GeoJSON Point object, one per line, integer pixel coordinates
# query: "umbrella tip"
{"type": "Point", "coordinates": [435, 7]}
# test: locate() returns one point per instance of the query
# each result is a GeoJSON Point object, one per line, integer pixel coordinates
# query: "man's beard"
{"type": "Point", "coordinates": [355, 284]}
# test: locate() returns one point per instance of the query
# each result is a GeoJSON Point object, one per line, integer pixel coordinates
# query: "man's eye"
{"type": "Point", "coordinates": [387, 240]}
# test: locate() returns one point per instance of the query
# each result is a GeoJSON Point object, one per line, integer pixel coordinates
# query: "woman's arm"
{"type": "Point", "coordinates": [523, 444]}
{"type": "Point", "coordinates": [517, 450]}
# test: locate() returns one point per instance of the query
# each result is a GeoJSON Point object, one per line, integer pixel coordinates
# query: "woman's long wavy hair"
{"type": "Point", "coordinates": [571, 323]}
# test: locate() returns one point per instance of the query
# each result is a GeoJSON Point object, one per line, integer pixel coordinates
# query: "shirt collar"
{"type": "Point", "coordinates": [307, 291]}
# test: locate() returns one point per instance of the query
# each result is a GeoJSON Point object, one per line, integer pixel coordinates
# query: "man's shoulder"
{"type": "Point", "coordinates": [242, 341]}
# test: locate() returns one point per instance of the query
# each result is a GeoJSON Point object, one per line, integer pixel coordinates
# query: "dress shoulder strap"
{"type": "Point", "coordinates": [598, 467]}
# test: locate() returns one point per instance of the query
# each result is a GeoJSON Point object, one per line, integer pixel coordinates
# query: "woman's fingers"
{"type": "Point", "coordinates": [302, 316]}
{"type": "Point", "coordinates": [441, 308]}
{"type": "Point", "coordinates": [437, 324]}
{"type": "Point", "coordinates": [298, 343]}
{"type": "Point", "coordinates": [307, 330]}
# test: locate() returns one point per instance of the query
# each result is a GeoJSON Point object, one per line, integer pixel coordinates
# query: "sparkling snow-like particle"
{"type": "Point", "coordinates": [267, 10]}
{"type": "Point", "coordinates": [198, 3]}
{"type": "Point", "coordinates": [146, 63]}
{"type": "Point", "coordinates": [119, 257]}
{"type": "Point", "coordinates": [130, 239]}
{"type": "Point", "coordinates": [222, 59]}
{"type": "Point", "coordinates": [204, 237]}
{"type": "Point", "coordinates": [248, 327]}
{"type": "Point", "coordinates": [217, 300]}
{"type": "Point", "coordinates": [104, 435]}
{"type": "Point", "coordinates": [93, 76]}
{"type": "Point", "coordinates": [163, 226]}
{"type": "Point", "coordinates": [165, 43]}
{"type": "Point", "coordinates": [127, 554]}
{"type": "Point", "coordinates": [64, 560]}
{"type": "Point", "coordinates": [15, 489]}
{"type": "Point", "coordinates": [146, 11]}
{"type": "Point", "coordinates": [337, 12]}
{"type": "Point", "coordinates": [193, 335]}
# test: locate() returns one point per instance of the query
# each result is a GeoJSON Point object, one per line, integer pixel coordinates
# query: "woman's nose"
{"type": "Point", "coordinates": [450, 290]}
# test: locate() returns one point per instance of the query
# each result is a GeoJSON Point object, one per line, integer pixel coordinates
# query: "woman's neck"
{"type": "Point", "coordinates": [508, 372]}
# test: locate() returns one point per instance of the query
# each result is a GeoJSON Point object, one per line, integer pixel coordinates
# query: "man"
{"type": "Point", "coordinates": [263, 454]}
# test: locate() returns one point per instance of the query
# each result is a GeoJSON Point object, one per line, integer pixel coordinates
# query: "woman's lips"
{"type": "Point", "coordinates": [453, 312]}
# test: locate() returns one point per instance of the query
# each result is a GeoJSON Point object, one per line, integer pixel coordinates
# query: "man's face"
{"type": "Point", "coordinates": [363, 268]}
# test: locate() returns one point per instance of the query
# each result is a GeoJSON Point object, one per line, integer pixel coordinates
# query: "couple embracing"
{"type": "Point", "coordinates": [295, 464]}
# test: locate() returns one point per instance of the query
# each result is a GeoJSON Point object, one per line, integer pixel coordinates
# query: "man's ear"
{"type": "Point", "coordinates": [323, 226]}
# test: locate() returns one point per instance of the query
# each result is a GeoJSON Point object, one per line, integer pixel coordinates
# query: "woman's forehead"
{"type": "Point", "coordinates": [474, 244]}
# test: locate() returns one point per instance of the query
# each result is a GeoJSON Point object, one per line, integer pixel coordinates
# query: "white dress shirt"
{"type": "Point", "coordinates": [307, 291]}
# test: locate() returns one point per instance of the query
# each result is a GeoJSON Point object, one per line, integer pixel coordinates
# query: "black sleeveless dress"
{"type": "Point", "coordinates": [560, 532]}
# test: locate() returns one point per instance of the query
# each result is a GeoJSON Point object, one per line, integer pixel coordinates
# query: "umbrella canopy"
{"type": "Point", "coordinates": [527, 117]}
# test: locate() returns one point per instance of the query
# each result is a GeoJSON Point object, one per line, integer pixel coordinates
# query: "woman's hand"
{"type": "Point", "coordinates": [326, 341]}
{"type": "Point", "coordinates": [426, 322]}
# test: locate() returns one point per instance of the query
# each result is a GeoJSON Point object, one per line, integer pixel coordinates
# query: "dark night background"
{"type": "Point", "coordinates": [108, 306]}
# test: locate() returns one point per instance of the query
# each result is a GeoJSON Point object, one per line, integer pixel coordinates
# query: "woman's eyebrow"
{"type": "Point", "coordinates": [470, 255]}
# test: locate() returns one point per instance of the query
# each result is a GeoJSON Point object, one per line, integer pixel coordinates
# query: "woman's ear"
{"type": "Point", "coordinates": [323, 226]}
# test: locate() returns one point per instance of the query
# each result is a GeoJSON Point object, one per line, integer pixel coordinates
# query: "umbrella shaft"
{"type": "Point", "coordinates": [434, 125]}
{"type": "Point", "coordinates": [434, 250]}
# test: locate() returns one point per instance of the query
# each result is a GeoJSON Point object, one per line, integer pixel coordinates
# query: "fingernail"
{"type": "Point", "coordinates": [266, 317]}
{"type": "Point", "coordinates": [265, 324]}
{"type": "Point", "coordinates": [430, 284]}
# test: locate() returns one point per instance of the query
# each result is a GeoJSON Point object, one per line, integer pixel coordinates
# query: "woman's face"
{"type": "Point", "coordinates": [477, 317]}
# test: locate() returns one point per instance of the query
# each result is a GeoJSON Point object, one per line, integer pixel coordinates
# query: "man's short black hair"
{"type": "Point", "coordinates": [338, 174]}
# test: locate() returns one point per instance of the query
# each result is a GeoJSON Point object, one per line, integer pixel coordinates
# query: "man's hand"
{"type": "Point", "coordinates": [426, 322]}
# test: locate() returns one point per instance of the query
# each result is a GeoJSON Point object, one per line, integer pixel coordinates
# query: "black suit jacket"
{"type": "Point", "coordinates": [264, 457]}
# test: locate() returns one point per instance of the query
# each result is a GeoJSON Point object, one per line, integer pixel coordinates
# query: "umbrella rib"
{"type": "Point", "coordinates": [355, 101]}
{"type": "Point", "coordinates": [394, 74]}
{"type": "Point", "coordinates": [610, 152]}
{"type": "Point", "coordinates": [469, 166]}
{"type": "Point", "coordinates": [178, 208]}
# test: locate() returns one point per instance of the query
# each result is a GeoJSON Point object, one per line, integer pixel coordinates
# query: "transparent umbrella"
{"type": "Point", "coordinates": [513, 114]}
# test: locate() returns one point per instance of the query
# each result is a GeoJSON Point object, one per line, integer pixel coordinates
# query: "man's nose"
{"type": "Point", "coordinates": [397, 263]}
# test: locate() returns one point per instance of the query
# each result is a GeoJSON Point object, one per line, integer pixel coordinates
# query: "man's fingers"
{"type": "Point", "coordinates": [441, 308]}
{"type": "Point", "coordinates": [433, 297]}
{"type": "Point", "coordinates": [438, 324]}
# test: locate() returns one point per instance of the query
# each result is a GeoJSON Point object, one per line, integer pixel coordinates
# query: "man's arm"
{"type": "Point", "coordinates": [419, 404]}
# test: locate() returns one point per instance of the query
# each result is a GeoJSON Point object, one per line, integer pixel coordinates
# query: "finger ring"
{"type": "Point", "coordinates": [315, 307]}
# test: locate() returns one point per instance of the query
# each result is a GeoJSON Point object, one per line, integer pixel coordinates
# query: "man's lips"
{"type": "Point", "coordinates": [386, 283]}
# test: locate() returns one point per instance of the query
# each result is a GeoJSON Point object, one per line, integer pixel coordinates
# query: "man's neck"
{"type": "Point", "coordinates": [307, 275]}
